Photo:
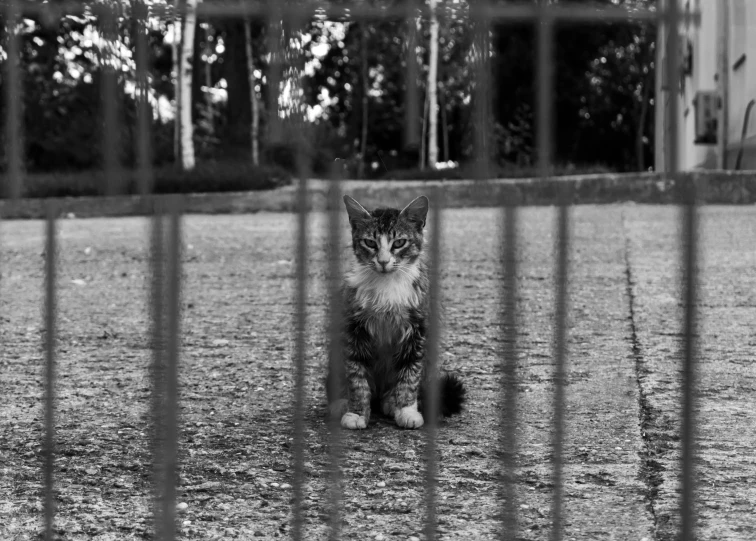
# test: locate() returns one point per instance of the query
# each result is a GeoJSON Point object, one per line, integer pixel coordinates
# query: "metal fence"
{"type": "Point", "coordinates": [166, 234]}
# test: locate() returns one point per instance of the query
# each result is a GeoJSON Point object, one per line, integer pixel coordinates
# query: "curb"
{"type": "Point", "coordinates": [713, 187]}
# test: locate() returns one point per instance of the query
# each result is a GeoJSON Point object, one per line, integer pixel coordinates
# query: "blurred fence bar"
{"type": "Point", "coordinates": [166, 313]}
{"type": "Point", "coordinates": [274, 38]}
{"type": "Point", "coordinates": [411, 99]}
{"type": "Point", "coordinates": [13, 135]}
{"type": "Point", "coordinates": [144, 111]}
{"type": "Point", "coordinates": [509, 509]}
{"type": "Point", "coordinates": [432, 355]}
{"type": "Point", "coordinates": [157, 341]}
{"type": "Point", "coordinates": [544, 133]}
{"type": "Point", "coordinates": [688, 218]}
{"type": "Point", "coordinates": [51, 249]}
{"type": "Point", "coordinates": [336, 349]}
{"type": "Point", "coordinates": [300, 323]}
{"type": "Point", "coordinates": [482, 94]}
{"type": "Point", "coordinates": [110, 62]}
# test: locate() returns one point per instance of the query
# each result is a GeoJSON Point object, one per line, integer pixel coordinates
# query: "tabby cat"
{"type": "Point", "coordinates": [386, 321]}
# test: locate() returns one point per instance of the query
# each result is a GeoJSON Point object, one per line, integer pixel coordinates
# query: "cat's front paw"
{"type": "Point", "coordinates": [352, 421]}
{"type": "Point", "coordinates": [409, 417]}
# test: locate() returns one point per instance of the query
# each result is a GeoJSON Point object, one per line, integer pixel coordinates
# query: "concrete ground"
{"type": "Point", "coordinates": [621, 457]}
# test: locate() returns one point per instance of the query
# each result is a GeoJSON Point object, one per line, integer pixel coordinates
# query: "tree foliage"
{"type": "Point", "coordinates": [603, 89]}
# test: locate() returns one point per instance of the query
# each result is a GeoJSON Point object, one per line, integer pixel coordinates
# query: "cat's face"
{"type": "Point", "coordinates": [387, 240]}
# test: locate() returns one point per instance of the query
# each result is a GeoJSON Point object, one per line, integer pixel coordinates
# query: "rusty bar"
{"type": "Point", "coordinates": [144, 111]}
{"type": "Point", "coordinates": [411, 99]}
{"type": "Point", "coordinates": [274, 37]}
{"type": "Point", "coordinates": [433, 351]}
{"type": "Point", "coordinates": [13, 105]}
{"type": "Point", "coordinates": [496, 12]}
{"type": "Point", "coordinates": [482, 94]}
{"type": "Point", "coordinates": [157, 340]}
{"type": "Point", "coordinates": [50, 337]}
{"type": "Point", "coordinates": [336, 353]}
{"type": "Point", "coordinates": [509, 510]}
{"type": "Point", "coordinates": [109, 60]}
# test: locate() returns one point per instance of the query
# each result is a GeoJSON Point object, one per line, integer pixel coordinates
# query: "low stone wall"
{"type": "Point", "coordinates": [720, 187]}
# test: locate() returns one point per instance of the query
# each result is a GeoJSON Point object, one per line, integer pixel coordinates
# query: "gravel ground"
{"type": "Point", "coordinates": [621, 450]}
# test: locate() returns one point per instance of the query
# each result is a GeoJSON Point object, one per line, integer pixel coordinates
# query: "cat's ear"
{"type": "Point", "coordinates": [355, 210]}
{"type": "Point", "coordinates": [417, 210]}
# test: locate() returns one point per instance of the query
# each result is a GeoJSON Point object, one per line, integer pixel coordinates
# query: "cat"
{"type": "Point", "coordinates": [386, 305]}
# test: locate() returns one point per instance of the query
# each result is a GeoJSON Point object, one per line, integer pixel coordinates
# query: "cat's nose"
{"type": "Point", "coordinates": [383, 264]}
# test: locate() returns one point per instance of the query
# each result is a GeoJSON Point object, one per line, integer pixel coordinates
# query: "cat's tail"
{"type": "Point", "coordinates": [452, 395]}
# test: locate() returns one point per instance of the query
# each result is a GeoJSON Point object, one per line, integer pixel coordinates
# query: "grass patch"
{"type": "Point", "coordinates": [205, 177]}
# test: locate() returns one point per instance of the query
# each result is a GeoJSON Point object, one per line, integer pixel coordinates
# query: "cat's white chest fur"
{"type": "Point", "coordinates": [383, 293]}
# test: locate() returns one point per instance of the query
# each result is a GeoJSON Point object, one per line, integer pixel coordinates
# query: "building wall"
{"type": "Point", "coordinates": [724, 60]}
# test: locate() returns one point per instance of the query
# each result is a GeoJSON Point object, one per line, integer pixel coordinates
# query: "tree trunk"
{"type": "Point", "coordinates": [444, 124]}
{"type": "Point", "coordinates": [432, 87]}
{"type": "Point", "coordinates": [188, 26]}
{"type": "Point", "coordinates": [424, 133]}
{"type": "Point", "coordinates": [254, 132]}
{"type": "Point", "coordinates": [176, 49]}
{"type": "Point", "coordinates": [365, 89]}
{"type": "Point", "coordinates": [640, 154]}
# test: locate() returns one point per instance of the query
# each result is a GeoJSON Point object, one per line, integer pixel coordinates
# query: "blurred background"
{"type": "Point", "coordinates": [338, 85]}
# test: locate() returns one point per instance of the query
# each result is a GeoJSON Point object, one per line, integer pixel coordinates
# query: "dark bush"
{"type": "Point", "coordinates": [205, 177]}
{"type": "Point", "coordinates": [317, 160]}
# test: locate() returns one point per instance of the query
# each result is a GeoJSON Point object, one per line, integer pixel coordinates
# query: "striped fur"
{"type": "Point", "coordinates": [386, 318]}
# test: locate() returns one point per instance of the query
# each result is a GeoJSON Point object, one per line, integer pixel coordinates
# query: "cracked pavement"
{"type": "Point", "coordinates": [621, 452]}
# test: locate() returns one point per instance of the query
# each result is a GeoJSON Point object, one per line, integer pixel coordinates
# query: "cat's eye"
{"type": "Point", "coordinates": [399, 243]}
{"type": "Point", "coordinates": [370, 244]}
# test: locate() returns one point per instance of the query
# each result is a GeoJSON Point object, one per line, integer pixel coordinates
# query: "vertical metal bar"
{"type": "Point", "coordinates": [560, 361]}
{"type": "Point", "coordinates": [482, 95]}
{"type": "Point", "coordinates": [509, 387]}
{"type": "Point", "coordinates": [173, 314]}
{"type": "Point", "coordinates": [50, 332]}
{"type": "Point", "coordinates": [689, 240]}
{"type": "Point", "coordinates": [336, 353]}
{"type": "Point", "coordinates": [157, 306]}
{"type": "Point", "coordinates": [109, 99]}
{"type": "Point", "coordinates": [671, 14]}
{"type": "Point", "coordinates": [144, 111]}
{"type": "Point", "coordinates": [432, 354]}
{"type": "Point", "coordinates": [275, 35]}
{"type": "Point", "coordinates": [544, 70]}
{"type": "Point", "coordinates": [688, 432]}
{"type": "Point", "coordinates": [13, 104]}
{"type": "Point", "coordinates": [545, 128]}
{"type": "Point", "coordinates": [300, 302]}
{"type": "Point", "coordinates": [411, 108]}
{"type": "Point", "coordinates": [166, 294]}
